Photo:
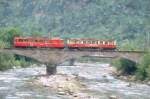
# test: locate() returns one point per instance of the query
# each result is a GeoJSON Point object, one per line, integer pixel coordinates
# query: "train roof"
{"type": "Point", "coordinates": [42, 38]}
{"type": "Point", "coordinates": [91, 39]}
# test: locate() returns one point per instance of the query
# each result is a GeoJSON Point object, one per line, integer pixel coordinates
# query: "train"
{"type": "Point", "coordinates": [58, 43]}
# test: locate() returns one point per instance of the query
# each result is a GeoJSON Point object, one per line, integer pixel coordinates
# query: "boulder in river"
{"type": "Point", "coordinates": [113, 97]}
{"type": "Point", "coordinates": [63, 84]}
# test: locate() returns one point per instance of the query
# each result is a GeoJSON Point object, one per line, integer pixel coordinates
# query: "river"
{"type": "Point", "coordinates": [14, 83]}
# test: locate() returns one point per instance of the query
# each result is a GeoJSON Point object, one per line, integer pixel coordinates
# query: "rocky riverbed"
{"type": "Point", "coordinates": [82, 81]}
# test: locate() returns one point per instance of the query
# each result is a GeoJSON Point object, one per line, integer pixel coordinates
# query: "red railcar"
{"type": "Point", "coordinates": [23, 42]}
{"type": "Point", "coordinates": [91, 43]}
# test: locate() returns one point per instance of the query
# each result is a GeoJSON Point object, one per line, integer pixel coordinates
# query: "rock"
{"type": "Point", "coordinates": [61, 93]}
{"type": "Point", "coordinates": [104, 76]}
{"type": "Point", "coordinates": [129, 84]}
{"type": "Point", "coordinates": [148, 83]}
{"type": "Point", "coordinates": [113, 97]}
{"type": "Point", "coordinates": [74, 95]}
{"type": "Point", "coordinates": [133, 78]}
{"type": "Point", "coordinates": [63, 84]}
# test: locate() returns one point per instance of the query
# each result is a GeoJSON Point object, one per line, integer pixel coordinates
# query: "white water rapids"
{"type": "Point", "coordinates": [100, 83]}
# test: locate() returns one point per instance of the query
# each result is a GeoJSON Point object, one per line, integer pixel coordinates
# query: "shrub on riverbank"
{"type": "Point", "coordinates": [125, 66]}
{"type": "Point", "coordinates": [143, 71]}
{"type": "Point", "coordinates": [8, 61]}
{"type": "Point", "coordinates": [128, 67]}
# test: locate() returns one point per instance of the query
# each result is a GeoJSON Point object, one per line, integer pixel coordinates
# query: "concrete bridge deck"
{"type": "Point", "coordinates": [58, 56]}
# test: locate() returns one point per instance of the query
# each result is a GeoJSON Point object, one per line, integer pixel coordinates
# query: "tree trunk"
{"type": "Point", "coordinates": [51, 69]}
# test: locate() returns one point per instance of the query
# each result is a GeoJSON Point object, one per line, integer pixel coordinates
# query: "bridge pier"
{"type": "Point", "coordinates": [71, 61]}
{"type": "Point", "coordinates": [51, 69]}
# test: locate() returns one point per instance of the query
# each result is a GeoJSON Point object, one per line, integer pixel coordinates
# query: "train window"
{"type": "Point", "coordinates": [70, 41]}
{"type": "Point", "coordinates": [25, 40]}
{"type": "Point", "coordinates": [110, 42]}
{"type": "Point", "coordinates": [41, 41]}
{"type": "Point", "coordinates": [90, 42]}
{"type": "Point", "coordinates": [36, 40]}
{"type": "Point", "coordinates": [101, 42]}
{"type": "Point", "coordinates": [20, 40]}
{"type": "Point", "coordinates": [96, 42]}
{"type": "Point", "coordinates": [79, 42]}
{"type": "Point", "coordinates": [106, 42]}
{"type": "Point", "coordinates": [93, 42]}
{"type": "Point", "coordinates": [84, 42]}
{"type": "Point", "coordinates": [76, 42]}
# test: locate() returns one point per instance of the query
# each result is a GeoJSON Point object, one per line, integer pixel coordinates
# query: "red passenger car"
{"type": "Point", "coordinates": [23, 42]}
{"type": "Point", "coordinates": [91, 43]}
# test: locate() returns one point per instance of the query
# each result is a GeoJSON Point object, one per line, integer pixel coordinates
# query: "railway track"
{"type": "Point", "coordinates": [93, 50]}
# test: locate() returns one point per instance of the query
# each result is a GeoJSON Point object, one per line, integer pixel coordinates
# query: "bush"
{"type": "Point", "coordinates": [141, 73]}
{"type": "Point", "coordinates": [125, 66]}
{"type": "Point", "coordinates": [148, 71]}
{"type": "Point", "coordinates": [7, 35]}
{"type": "Point", "coordinates": [129, 45]}
{"type": "Point", "coordinates": [6, 61]}
{"type": "Point", "coordinates": [143, 70]}
{"type": "Point", "coordinates": [2, 44]}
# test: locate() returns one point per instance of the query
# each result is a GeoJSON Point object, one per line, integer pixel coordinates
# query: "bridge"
{"type": "Point", "coordinates": [54, 57]}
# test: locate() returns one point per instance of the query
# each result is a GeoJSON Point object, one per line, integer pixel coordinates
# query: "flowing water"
{"type": "Point", "coordinates": [99, 82]}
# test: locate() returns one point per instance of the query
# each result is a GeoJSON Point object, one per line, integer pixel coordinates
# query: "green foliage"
{"type": "Point", "coordinates": [148, 71]}
{"type": "Point", "coordinates": [7, 35]}
{"type": "Point", "coordinates": [6, 61]}
{"type": "Point", "coordinates": [130, 45]}
{"type": "Point", "coordinates": [141, 73]}
{"type": "Point", "coordinates": [125, 66]}
{"type": "Point", "coordinates": [143, 70]}
{"type": "Point", "coordinates": [2, 44]}
{"type": "Point", "coordinates": [36, 34]}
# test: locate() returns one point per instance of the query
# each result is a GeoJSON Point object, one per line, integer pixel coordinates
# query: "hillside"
{"type": "Point", "coordinates": [123, 20]}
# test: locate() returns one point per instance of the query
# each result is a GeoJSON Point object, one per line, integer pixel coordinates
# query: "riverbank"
{"type": "Point", "coordinates": [130, 78]}
{"type": "Point", "coordinates": [131, 71]}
